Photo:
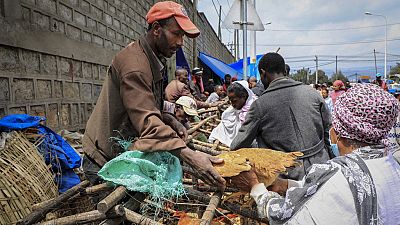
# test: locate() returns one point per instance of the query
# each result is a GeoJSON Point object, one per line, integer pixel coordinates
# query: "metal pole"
{"type": "Point", "coordinates": [336, 68]}
{"type": "Point", "coordinates": [253, 54]}
{"type": "Point", "coordinates": [376, 68]}
{"type": "Point", "coordinates": [219, 23]}
{"type": "Point", "coordinates": [316, 72]}
{"type": "Point", "coordinates": [385, 44]}
{"type": "Point", "coordinates": [244, 23]}
{"type": "Point", "coordinates": [235, 44]}
{"type": "Point", "coordinates": [371, 14]}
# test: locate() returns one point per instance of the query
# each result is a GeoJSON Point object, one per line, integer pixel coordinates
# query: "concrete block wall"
{"type": "Point", "coordinates": [54, 54]}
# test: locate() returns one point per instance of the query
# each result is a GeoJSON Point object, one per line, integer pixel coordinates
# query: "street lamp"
{"type": "Point", "coordinates": [371, 14]}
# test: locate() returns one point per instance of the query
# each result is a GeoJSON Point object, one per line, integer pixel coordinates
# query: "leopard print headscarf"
{"type": "Point", "coordinates": [365, 113]}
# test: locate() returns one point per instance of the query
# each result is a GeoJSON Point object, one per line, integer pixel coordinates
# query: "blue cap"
{"type": "Point", "coordinates": [378, 75]}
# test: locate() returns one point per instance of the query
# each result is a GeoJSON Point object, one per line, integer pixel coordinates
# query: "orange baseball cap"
{"type": "Point", "coordinates": [166, 9]}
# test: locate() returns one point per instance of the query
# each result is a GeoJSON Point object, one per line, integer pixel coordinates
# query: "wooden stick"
{"type": "Point", "coordinates": [112, 199]}
{"type": "Point", "coordinates": [214, 189]}
{"type": "Point", "coordinates": [203, 149]}
{"type": "Point", "coordinates": [54, 203]}
{"type": "Point", "coordinates": [134, 201]}
{"type": "Point", "coordinates": [215, 145]}
{"type": "Point", "coordinates": [201, 123]}
{"type": "Point", "coordinates": [98, 188]}
{"type": "Point", "coordinates": [221, 148]}
{"type": "Point", "coordinates": [117, 211]}
{"type": "Point", "coordinates": [78, 218]}
{"type": "Point", "coordinates": [210, 210]}
{"type": "Point", "coordinates": [136, 218]}
{"type": "Point", "coordinates": [212, 124]}
{"type": "Point", "coordinates": [205, 131]}
{"type": "Point", "coordinates": [115, 221]}
{"type": "Point", "coordinates": [212, 109]}
{"type": "Point", "coordinates": [83, 218]}
{"type": "Point", "coordinates": [252, 214]}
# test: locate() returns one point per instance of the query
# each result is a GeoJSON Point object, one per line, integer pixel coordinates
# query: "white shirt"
{"type": "Point", "coordinates": [333, 203]}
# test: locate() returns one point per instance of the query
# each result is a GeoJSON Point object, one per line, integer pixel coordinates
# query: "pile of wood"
{"type": "Point", "coordinates": [121, 205]}
{"type": "Point", "coordinates": [201, 204]}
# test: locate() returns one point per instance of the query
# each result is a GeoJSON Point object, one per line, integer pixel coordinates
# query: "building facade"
{"type": "Point", "coordinates": [54, 54]}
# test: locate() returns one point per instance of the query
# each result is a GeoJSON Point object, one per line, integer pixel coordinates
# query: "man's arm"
{"type": "Point", "coordinates": [249, 129]}
{"type": "Point", "coordinates": [327, 123]}
{"type": "Point", "coordinates": [154, 134]}
{"type": "Point", "coordinates": [178, 127]}
{"type": "Point", "coordinates": [139, 101]}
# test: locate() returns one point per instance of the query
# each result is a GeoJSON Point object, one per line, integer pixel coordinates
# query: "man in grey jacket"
{"type": "Point", "coordinates": [288, 116]}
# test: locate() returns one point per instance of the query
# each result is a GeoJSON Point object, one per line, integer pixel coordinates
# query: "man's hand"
{"type": "Point", "coordinates": [202, 164]}
{"type": "Point", "coordinates": [175, 125]}
{"type": "Point", "coordinates": [279, 186]}
{"type": "Point", "coordinates": [214, 104]}
{"type": "Point", "coordinates": [245, 180]}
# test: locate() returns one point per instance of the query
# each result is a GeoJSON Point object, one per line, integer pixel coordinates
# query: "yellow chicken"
{"type": "Point", "coordinates": [267, 163]}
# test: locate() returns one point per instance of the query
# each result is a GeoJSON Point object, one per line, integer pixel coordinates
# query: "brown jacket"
{"type": "Point", "coordinates": [175, 89]}
{"type": "Point", "coordinates": [129, 107]}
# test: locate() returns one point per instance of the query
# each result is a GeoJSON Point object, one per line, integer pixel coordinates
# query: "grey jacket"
{"type": "Point", "coordinates": [288, 116]}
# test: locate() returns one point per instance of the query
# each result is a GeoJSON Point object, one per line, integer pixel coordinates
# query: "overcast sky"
{"type": "Point", "coordinates": [325, 27]}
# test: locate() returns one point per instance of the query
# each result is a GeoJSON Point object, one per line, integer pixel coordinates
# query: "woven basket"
{"type": "Point", "coordinates": [24, 179]}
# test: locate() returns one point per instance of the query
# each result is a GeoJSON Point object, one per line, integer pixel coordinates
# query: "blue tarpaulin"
{"type": "Point", "coordinates": [181, 61]}
{"type": "Point", "coordinates": [55, 150]}
{"type": "Point", "coordinates": [252, 69]}
{"type": "Point", "coordinates": [218, 67]}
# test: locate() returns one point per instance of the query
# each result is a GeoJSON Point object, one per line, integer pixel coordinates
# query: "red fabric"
{"type": "Point", "coordinates": [336, 94]}
{"type": "Point", "coordinates": [198, 83]}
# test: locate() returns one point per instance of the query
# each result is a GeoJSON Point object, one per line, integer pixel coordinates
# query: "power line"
{"type": "Point", "coordinates": [216, 10]}
{"type": "Point", "coordinates": [367, 54]}
{"type": "Point", "coordinates": [333, 29]}
{"type": "Point", "coordinates": [215, 7]}
{"type": "Point", "coordinates": [223, 12]}
{"type": "Point", "coordinates": [325, 44]}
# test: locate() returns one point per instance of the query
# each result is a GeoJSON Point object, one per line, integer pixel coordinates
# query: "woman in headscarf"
{"type": "Point", "coordinates": [338, 89]}
{"type": "Point", "coordinates": [359, 187]}
{"type": "Point", "coordinates": [241, 98]}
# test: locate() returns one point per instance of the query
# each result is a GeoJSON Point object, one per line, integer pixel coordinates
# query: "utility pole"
{"type": "Point", "coordinates": [194, 47]}
{"type": "Point", "coordinates": [231, 47]}
{"type": "Point", "coordinates": [219, 23]}
{"type": "Point", "coordinates": [316, 72]}
{"type": "Point", "coordinates": [253, 50]}
{"type": "Point", "coordinates": [244, 24]}
{"type": "Point", "coordinates": [376, 68]}
{"type": "Point", "coordinates": [236, 43]}
{"type": "Point", "coordinates": [336, 74]}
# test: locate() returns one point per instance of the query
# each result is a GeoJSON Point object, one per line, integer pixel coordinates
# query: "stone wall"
{"type": "Point", "coordinates": [54, 53]}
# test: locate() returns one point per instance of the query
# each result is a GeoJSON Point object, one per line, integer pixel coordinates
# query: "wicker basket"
{"type": "Point", "coordinates": [24, 178]}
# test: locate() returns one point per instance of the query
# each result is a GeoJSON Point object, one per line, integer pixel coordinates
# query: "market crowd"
{"type": "Point", "coordinates": [348, 135]}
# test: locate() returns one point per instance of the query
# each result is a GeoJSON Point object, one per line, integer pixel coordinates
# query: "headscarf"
{"type": "Point", "coordinates": [340, 84]}
{"type": "Point", "coordinates": [250, 99]}
{"type": "Point", "coordinates": [337, 93]}
{"type": "Point", "coordinates": [365, 113]}
{"type": "Point", "coordinates": [232, 119]}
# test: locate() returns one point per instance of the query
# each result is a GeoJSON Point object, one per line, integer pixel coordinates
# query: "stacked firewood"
{"type": "Point", "coordinates": [202, 204]}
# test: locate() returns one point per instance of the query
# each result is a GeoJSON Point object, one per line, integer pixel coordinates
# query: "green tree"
{"type": "Point", "coordinates": [322, 77]}
{"type": "Point", "coordinates": [301, 75]}
{"type": "Point", "coordinates": [395, 69]}
{"type": "Point", "coordinates": [339, 76]}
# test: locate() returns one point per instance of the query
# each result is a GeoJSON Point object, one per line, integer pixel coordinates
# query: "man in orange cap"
{"type": "Point", "coordinates": [131, 100]}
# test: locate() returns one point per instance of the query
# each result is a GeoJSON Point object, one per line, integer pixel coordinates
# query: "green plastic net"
{"type": "Point", "coordinates": [158, 174]}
